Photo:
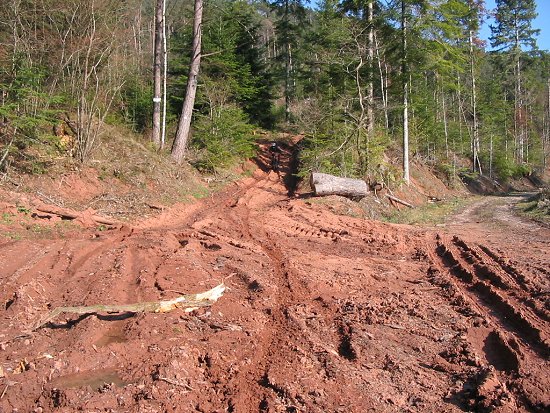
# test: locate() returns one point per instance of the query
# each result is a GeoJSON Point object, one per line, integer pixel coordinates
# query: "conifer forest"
{"type": "Point", "coordinates": [364, 81]}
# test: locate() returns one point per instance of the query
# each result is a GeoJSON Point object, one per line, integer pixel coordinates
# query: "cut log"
{"type": "Point", "coordinates": [325, 184]}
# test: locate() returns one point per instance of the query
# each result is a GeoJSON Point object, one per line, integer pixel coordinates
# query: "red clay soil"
{"type": "Point", "coordinates": [323, 313]}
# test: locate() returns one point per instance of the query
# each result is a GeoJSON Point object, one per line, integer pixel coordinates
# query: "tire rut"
{"type": "Point", "coordinates": [256, 381]}
{"type": "Point", "coordinates": [480, 282]}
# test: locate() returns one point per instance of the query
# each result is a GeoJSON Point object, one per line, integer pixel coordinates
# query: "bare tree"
{"type": "Point", "coordinates": [164, 76]}
{"type": "Point", "coordinates": [95, 83]}
{"type": "Point", "coordinates": [476, 163]}
{"type": "Point", "coordinates": [546, 130]}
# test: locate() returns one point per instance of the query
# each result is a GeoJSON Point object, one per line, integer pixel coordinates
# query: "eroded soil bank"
{"type": "Point", "coordinates": [324, 313]}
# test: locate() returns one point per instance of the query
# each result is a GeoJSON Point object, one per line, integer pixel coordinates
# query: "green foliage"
{"type": "Point", "coordinates": [27, 105]}
{"type": "Point", "coordinates": [447, 170]}
{"type": "Point", "coordinates": [513, 24]}
{"type": "Point", "coordinates": [232, 70]}
{"type": "Point", "coordinates": [7, 218]}
{"type": "Point", "coordinates": [506, 168]}
{"type": "Point", "coordinates": [27, 116]}
{"type": "Point", "coordinates": [137, 96]}
{"type": "Point", "coordinates": [332, 147]}
{"type": "Point", "coordinates": [23, 210]}
{"type": "Point", "coordinates": [222, 139]}
{"type": "Point", "coordinates": [538, 206]}
{"type": "Point", "coordinates": [230, 35]}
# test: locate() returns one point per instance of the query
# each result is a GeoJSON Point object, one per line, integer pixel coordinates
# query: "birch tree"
{"type": "Point", "coordinates": [473, 28]}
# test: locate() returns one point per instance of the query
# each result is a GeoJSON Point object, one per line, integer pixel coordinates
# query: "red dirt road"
{"type": "Point", "coordinates": [323, 313]}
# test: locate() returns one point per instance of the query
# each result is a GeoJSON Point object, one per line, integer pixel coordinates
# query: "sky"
{"type": "Point", "coordinates": [542, 22]}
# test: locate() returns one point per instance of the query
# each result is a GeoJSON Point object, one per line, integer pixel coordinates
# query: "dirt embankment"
{"type": "Point", "coordinates": [324, 313]}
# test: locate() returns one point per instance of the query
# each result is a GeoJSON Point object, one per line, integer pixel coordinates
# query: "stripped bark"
{"type": "Point", "coordinates": [189, 302]}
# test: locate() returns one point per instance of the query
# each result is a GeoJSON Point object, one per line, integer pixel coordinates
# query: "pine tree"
{"type": "Point", "coordinates": [288, 29]}
{"type": "Point", "coordinates": [179, 146]}
{"type": "Point", "coordinates": [513, 29]}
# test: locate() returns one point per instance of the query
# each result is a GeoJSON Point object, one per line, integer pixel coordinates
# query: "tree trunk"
{"type": "Point", "coordinates": [476, 163]}
{"type": "Point", "coordinates": [518, 116]}
{"type": "Point", "coordinates": [491, 157]}
{"type": "Point", "coordinates": [460, 110]}
{"type": "Point", "coordinates": [288, 81]}
{"type": "Point", "coordinates": [164, 76]}
{"type": "Point", "coordinates": [370, 84]}
{"type": "Point", "coordinates": [361, 144]}
{"type": "Point", "coordinates": [288, 66]}
{"type": "Point", "coordinates": [157, 77]}
{"type": "Point", "coordinates": [383, 84]}
{"type": "Point", "coordinates": [182, 136]}
{"type": "Point", "coordinates": [324, 184]}
{"type": "Point", "coordinates": [405, 74]}
{"type": "Point", "coordinates": [445, 123]}
{"type": "Point", "coordinates": [546, 133]}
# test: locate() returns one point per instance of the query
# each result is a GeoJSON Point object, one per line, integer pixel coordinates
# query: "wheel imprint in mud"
{"type": "Point", "coordinates": [516, 344]}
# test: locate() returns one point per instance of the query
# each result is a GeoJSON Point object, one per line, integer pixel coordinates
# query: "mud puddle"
{"type": "Point", "coordinates": [96, 379]}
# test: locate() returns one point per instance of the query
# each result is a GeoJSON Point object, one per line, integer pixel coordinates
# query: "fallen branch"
{"type": "Point", "coordinates": [4, 392]}
{"type": "Point", "coordinates": [189, 302]}
{"type": "Point", "coordinates": [69, 214]}
{"type": "Point", "coordinates": [399, 201]}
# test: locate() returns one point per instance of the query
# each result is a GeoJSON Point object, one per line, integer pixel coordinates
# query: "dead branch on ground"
{"type": "Point", "coordinates": [68, 214]}
{"type": "Point", "coordinates": [399, 201]}
{"type": "Point", "coordinates": [189, 302]}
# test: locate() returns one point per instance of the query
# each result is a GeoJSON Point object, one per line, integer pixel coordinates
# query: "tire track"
{"type": "Point", "coordinates": [255, 382]}
{"type": "Point", "coordinates": [478, 281]}
{"type": "Point", "coordinates": [491, 287]}
{"type": "Point", "coordinates": [255, 387]}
